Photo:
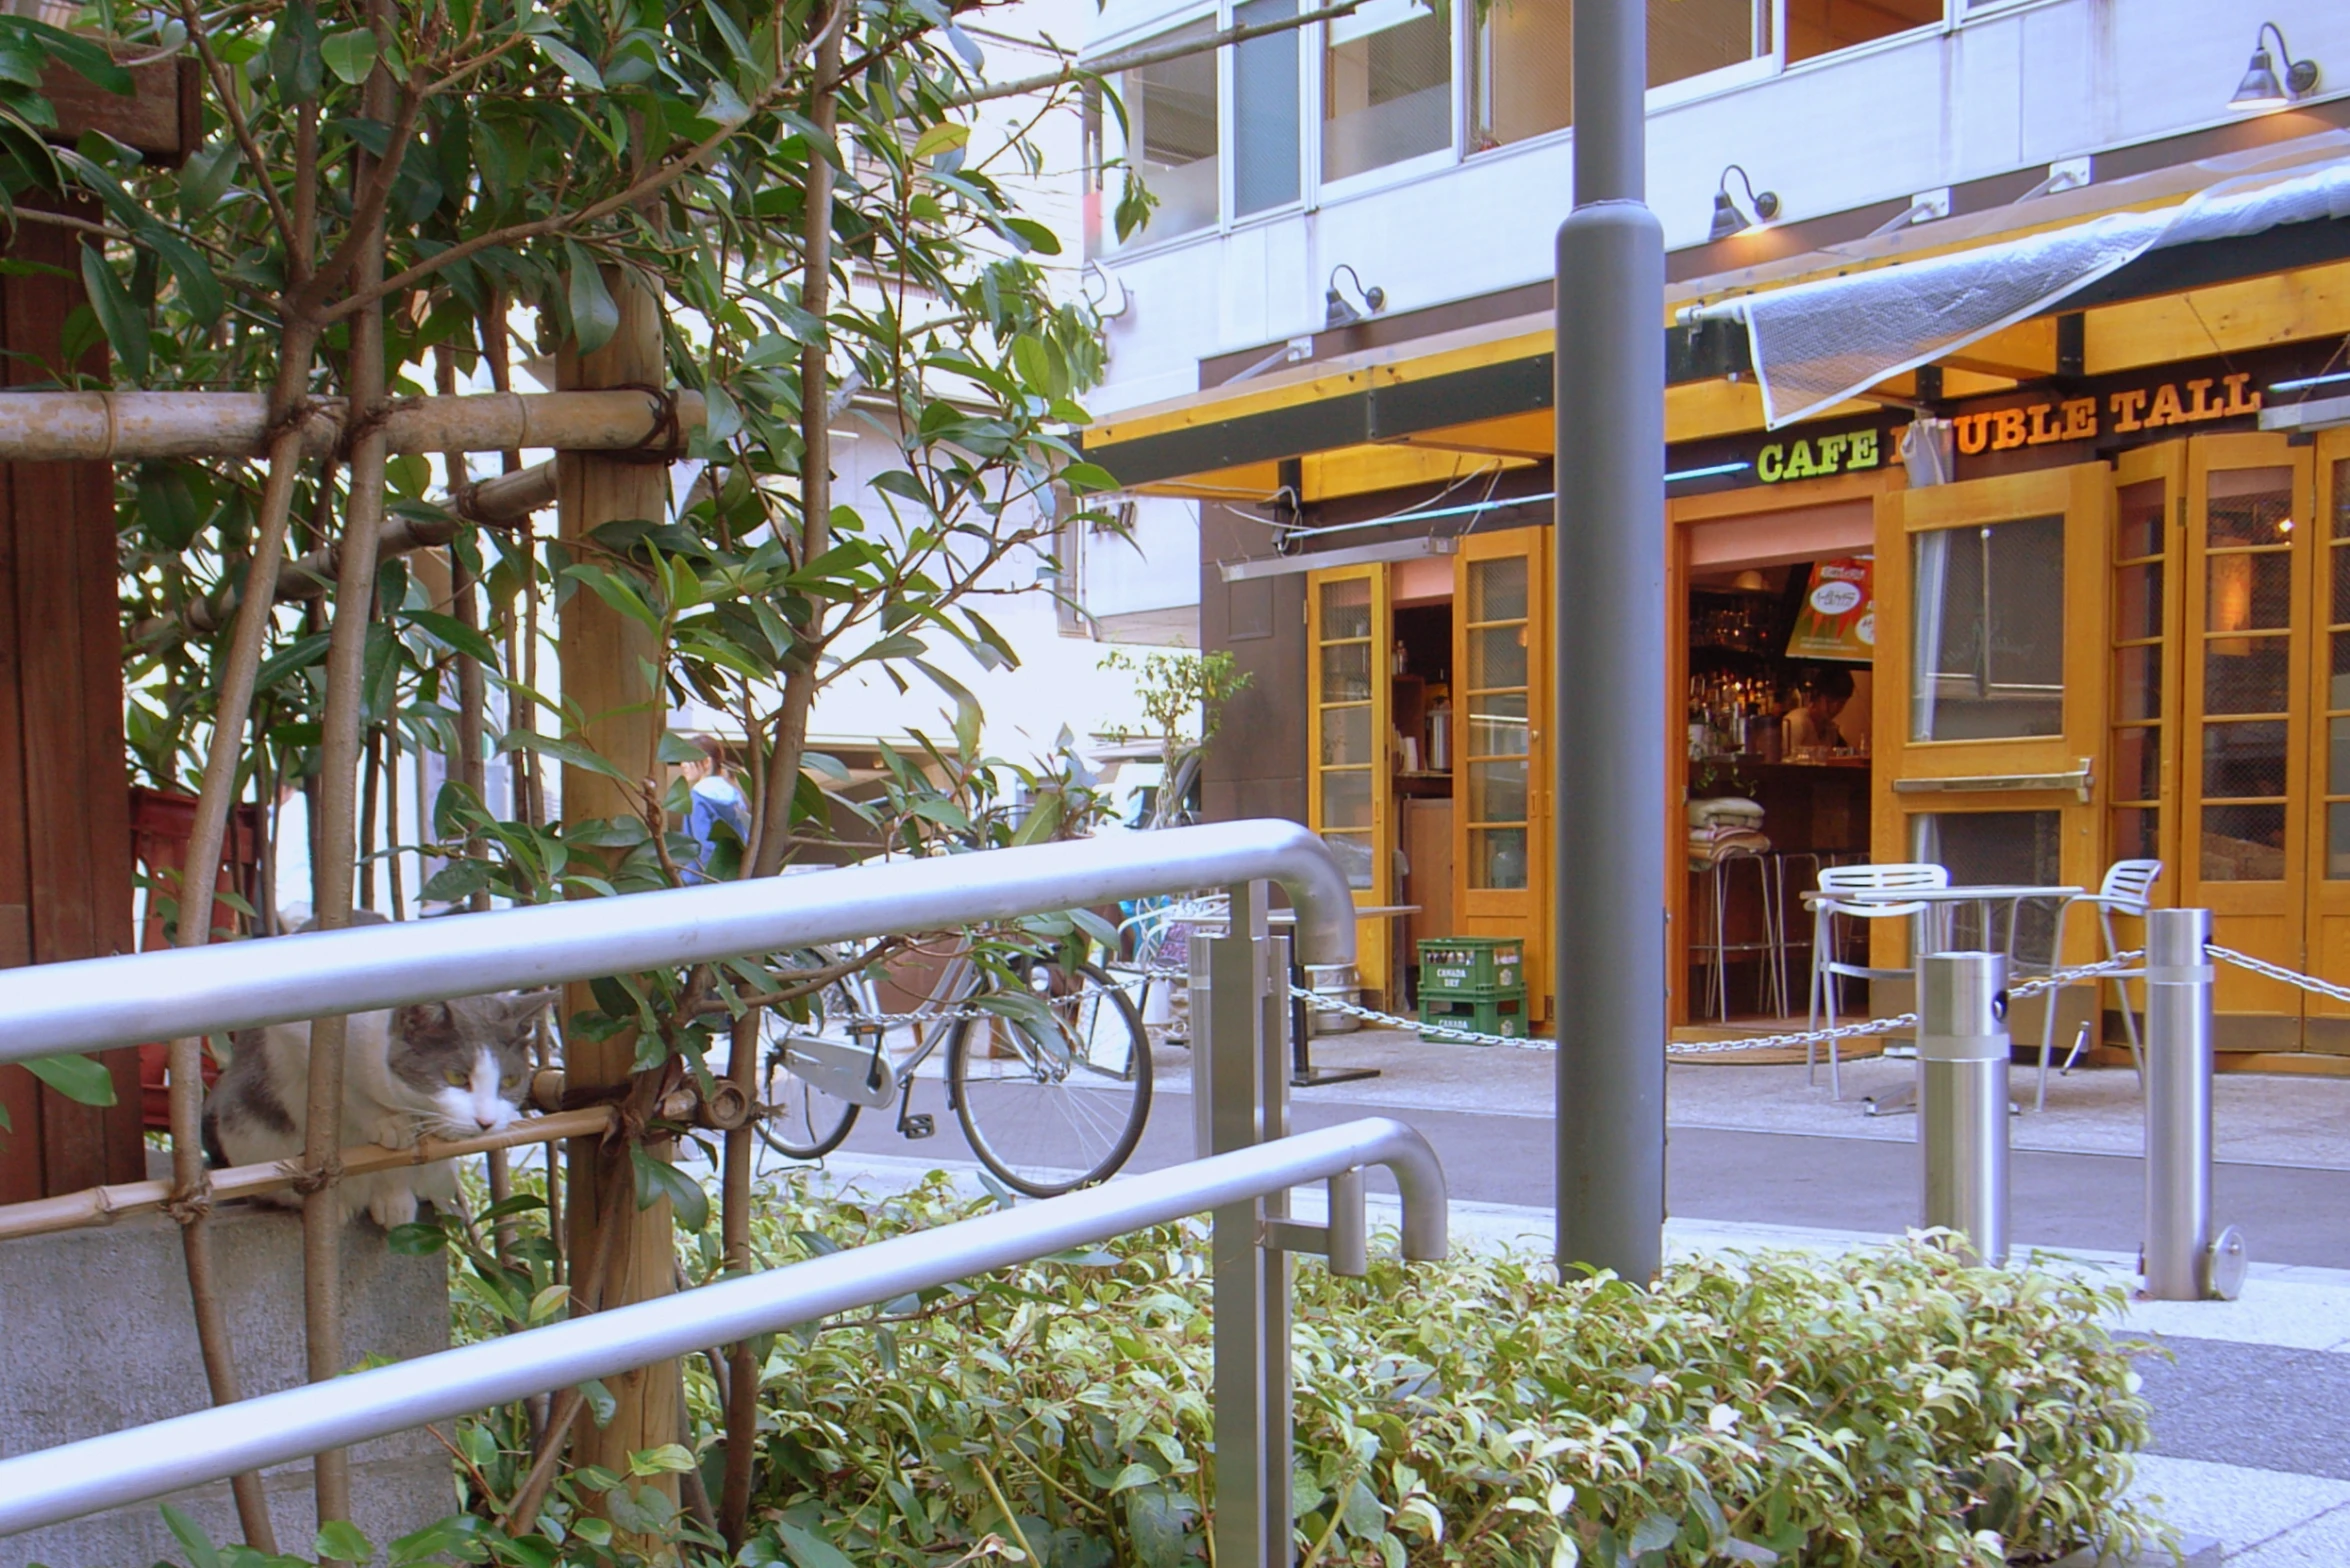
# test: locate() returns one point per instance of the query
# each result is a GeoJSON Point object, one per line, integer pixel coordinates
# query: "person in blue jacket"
{"type": "Point", "coordinates": [717, 801]}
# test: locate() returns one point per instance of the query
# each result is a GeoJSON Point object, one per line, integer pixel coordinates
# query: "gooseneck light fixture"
{"type": "Point", "coordinates": [2261, 87]}
{"type": "Point", "coordinates": [1338, 311]}
{"type": "Point", "coordinates": [1728, 220]}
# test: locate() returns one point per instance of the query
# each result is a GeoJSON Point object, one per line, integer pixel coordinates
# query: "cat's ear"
{"type": "Point", "coordinates": [425, 1023]}
{"type": "Point", "coordinates": [524, 1007]}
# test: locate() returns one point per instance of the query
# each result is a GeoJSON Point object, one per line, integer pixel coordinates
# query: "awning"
{"type": "Point", "coordinates": [1459, 405]}
{"type": "Point", "coordinates": [1816, 344]}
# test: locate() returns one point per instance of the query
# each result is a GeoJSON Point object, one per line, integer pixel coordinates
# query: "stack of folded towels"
{"type": "Point", "coordinates": [1724, 827]}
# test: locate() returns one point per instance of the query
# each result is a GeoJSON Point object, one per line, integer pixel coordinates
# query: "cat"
{"type": "Point", "coordinates": [452, 1069]}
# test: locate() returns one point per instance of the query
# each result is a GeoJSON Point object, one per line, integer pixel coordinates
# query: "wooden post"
{"type": "Point", "coordinates": [605, 657]}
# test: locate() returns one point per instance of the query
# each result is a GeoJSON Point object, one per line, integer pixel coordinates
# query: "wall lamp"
{"type": "Point", "coordinates": [1728, 220]}
{"type": "Point", "coordinates": [1337, 312]}
{"type": "Point", "coordinates": [2260, 88]}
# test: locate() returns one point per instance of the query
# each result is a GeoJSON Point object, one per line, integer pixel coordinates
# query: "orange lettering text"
{"type": "Point", "coordinates": [2011, 430]}
{"type": "Point", "coordinates": [2238, 403]}
{"type": "Point", "coordinates": [2127, 409]}
{"type": "Point", "coordinates": [2199, 404]}
{"type": "Point", "coordinates": [2166, 409]}
{"type": "Point", "coordinates": [2080, 419]}
{"type": "Point", "coordinates": [2044, 427]}
{"type": "Point", "coordinates": [1973, 432]}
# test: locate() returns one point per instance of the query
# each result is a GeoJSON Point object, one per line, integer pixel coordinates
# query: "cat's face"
{"type": "Point", "coordinates": [468, 1058]}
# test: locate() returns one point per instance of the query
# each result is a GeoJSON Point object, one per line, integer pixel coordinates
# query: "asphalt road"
{"type": "Point", "coordinates": [2288, 1214]}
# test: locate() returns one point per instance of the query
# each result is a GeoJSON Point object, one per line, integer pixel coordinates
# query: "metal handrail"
{"type": "Point", "coordinates": [93, 1004]}
{"type": "Point", "coordinates": [150, 1461]}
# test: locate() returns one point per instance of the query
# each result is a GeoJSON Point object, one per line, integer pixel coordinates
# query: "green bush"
{"type": "Point", "coordinates": [1882, 1408]}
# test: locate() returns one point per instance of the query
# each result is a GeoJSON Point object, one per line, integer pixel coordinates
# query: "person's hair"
{"type": "Point", "coordinates": [1833, 683]}
{"type": "Point", "coordinates": [715, 749]}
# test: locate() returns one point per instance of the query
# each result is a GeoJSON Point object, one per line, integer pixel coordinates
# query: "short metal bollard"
{"type": "Point", "coordinates": [1962, 1098]}
{"type": "Point", "coordinates": [2184, 1260]}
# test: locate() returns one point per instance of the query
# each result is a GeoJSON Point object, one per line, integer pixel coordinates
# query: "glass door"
{"type": "Point", "coordinates": [2326, 1024]}
{"type": "Point", "coordinates": [1349, 794]}
{"type": "Point", "coordinates": [1990, 704]}
{"type": "Point", "coordinates": [2244, 718]}
{"type": "Point", "coordinates": [1501, 817]}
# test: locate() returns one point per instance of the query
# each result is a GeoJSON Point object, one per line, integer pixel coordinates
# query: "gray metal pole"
{"type": "Point", "coordinates": [1608, 805]}
{"type": "Point", "coordinates": [1240, 1089]}
{"type": "Point", "coordinates": [1962, 1098]}
{"type": "Point", "coordinates": [2184, 1261]}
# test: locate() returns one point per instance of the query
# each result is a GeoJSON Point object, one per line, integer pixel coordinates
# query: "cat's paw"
{"type": "Point", "coordinates": [395, 1132]}
{"type": "Point", "coordinates": [393, 1205]}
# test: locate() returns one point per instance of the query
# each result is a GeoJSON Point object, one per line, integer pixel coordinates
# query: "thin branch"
{"type": "Point", "coordinates": [225, 89]}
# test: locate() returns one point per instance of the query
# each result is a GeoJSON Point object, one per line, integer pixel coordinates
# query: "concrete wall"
{"type": "Point", "coordinates": [100, 1336]}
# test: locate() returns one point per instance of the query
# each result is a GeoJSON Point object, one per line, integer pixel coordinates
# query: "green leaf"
{"type": "Point", "coordinates": [571, 62]}
{"type": "Point", "coordinates": [1654, 1534]}
{"type": "Point", "coordinates": [78, 1078]}
{"type": "Point", "coordinates": [294, 60]}
{"type": "Point", "coordinates": [601, 1405]}
{"type": "Point", "coordinates": [454, 634]}
{"type": "Point", "coordinates": [658, 1179]}
{"type": "Point", "coordinates": [677, 748]}
{"type": "Point", "coordinates": [1086, 478]}
{"type": "Point", "coordinates": [456, 881]}
{"type": "Point", "coordinates": [350, 55]}
{"type": "Point", "coordinates": [808, 1549]}
{"type": "Point", "coordinates": [668, 1459]}
{"type": "Point", "coordinates": [200, 291]}
{"type": "Point", "coordinates": [415, 1240]}
{"type": "Point", "coordinates": [341, 1540]}
{"type": "Point", "coordinates": [299, 654]}
{"type": "Point", "coordinates": [594, 315]}
{"type": "Point", "coordinates": [201, 1552]}
{"type": "Point", "coordinates": [435, 1540]}
{"type": "Point", "coordinates": [946, 136]}
{"type": "Point", "coordinates": [119, 316]}
{"type": "Point", "coordinates": [569, 752]}
{"type": "Point", "coordinates": [1035, 236]}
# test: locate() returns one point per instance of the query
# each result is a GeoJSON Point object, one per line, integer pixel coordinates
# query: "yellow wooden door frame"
{"type": "Point", "coordinates": [2326, 1023]}
{"type": "Point", "coordinates": [2267, 918]}
{"type": "Point", "coordinates": [2159, 652]}
{"type": "Point", "coordinates": [1523, 912]}
{"type": "Point", "coordinates": [1331, 731]}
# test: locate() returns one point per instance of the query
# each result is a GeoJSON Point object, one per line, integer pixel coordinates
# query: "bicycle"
{"type": "Point", "coordinates": [1051, 1094]}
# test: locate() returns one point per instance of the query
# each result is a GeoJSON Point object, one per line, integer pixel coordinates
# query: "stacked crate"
{"type": "Point", "coordinates": [1476, 983]}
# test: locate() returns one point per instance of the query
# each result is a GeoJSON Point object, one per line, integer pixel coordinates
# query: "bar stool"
{"type": "Point", "coordinates": [1714, 897]}
{"type": "Point", "coordinates": [1802, 867]}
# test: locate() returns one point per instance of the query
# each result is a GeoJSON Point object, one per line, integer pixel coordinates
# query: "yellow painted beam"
{"type": "Point", "coordinates": [1362, 470]}
{"type": "Point", "coordinates": [2226, 318]}
{"type": "Point", "coordinates": [2023, 352]}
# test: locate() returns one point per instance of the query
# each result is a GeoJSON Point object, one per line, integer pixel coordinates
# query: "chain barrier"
{"type": "Point", "coordinates": [1320, 1002]}
{"type": "Point", "coordinates": [2261, 966]}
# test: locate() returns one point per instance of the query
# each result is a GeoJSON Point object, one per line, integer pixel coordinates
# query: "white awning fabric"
{"type": "Point", "coordinates": [1816, 344]}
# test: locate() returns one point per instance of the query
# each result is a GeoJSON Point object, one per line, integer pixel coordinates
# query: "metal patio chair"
{"type": "Point", "coordinates": [2125, 891]}
{"type": "Point", "coordinates": [1828, 970]}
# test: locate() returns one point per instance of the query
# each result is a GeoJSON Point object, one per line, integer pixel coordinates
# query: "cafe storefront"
{"type": "Point", "coordinates": [2055, 601]}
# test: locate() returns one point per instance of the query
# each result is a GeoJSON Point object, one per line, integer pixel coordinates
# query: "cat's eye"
{"type": "Point", "coordinates": [510, 1080]}
{"type": "Point", "coordinates": [458, 1076]}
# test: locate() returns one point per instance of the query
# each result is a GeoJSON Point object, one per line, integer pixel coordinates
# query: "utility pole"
{"type": "Point", "coordinates": [1608, 804]}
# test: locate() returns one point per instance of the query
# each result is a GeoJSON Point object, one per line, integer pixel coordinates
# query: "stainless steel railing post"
{"type": "Point", "coordinates": [2184, 1260]}
{"type": "Point", "coordinates": [1240, 1095]}
{"type": "Point", "coordinates": [1962, 1097]}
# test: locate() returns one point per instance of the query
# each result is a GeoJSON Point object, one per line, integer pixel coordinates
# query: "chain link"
{"type": "Point", "coordinates": [2261, 966]}
{"type": "Point", "coordinates": [1320, 1002]}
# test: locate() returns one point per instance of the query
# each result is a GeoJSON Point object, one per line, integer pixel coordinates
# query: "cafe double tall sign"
{"type": "Point", "coordinates": [2191, 400]}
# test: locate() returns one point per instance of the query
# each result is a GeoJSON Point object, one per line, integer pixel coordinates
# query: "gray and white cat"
{"type": "Point", "coordinates": [452, 1069]}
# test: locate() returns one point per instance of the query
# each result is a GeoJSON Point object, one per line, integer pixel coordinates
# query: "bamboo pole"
{"type": "Point", "coordinates": [607, 664]}
{"type": "Point", "coordinates": [508, 498]}
{"type": "Point", "coordinates": [108, 1205]}
{"type": "Point", "coordinates": [123, 427]}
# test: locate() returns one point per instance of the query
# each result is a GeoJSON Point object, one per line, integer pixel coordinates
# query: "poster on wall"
{"type": "Point", "coordinates": [1839, 616]}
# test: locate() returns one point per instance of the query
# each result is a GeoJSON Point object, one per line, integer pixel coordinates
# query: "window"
{"type": "Point", "coordinates": [1386, 86]}
{"type": "Point", "coordinates": [1817, 27]}
{"type": "Point", "coordinates": [1266, 111]}
{"type": "Point", "coordinates": [1496, 688]}
{"type": "Point", "coordinates": [1995, 849]}
{"type": "Point", "coordinates": [1988, 662]}
{"type": "Point", "coordinates": [1171, 141]}
{"type": "Point", "coordinates": [1522, 83]}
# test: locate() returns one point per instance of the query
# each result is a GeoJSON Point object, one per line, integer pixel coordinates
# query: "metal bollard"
{"type": "Point", "coordinates": [1240, 1098]}
{"type": "Point", "coordinates": [2184, 1261]}
{"type": "Point", "coordinates": [1962, 1098]}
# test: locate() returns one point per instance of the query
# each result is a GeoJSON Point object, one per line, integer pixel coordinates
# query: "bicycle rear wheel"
{"type": "Point", "coordinates": [802, 1122]}
{"type": "Point", "coordinates": [1054, 1111]}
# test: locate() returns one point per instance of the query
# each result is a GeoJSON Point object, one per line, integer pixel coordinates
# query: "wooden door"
{"type": "Point", "coordinates": [1501, 770]}
{"type": "Point", "coordinates": [2325, 1023]}
{"type": "Point", "coordinates": [1990, 709]}
{"type": "Point", "coordinates": [2142, 683]}
{"type": "Point", "coordinates": [1350, 796]}
{"type": "Point", "coordinates": [2244, 718]}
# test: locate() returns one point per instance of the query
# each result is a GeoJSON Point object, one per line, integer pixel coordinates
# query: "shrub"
{"type": "Point", "coordinates": [1891, 1407]}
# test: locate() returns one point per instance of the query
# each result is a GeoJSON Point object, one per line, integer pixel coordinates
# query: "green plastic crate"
{"type": "Point", "coordinates": [1502, 1015]}
{"type": "Point", "coordinates": [1471, 965]}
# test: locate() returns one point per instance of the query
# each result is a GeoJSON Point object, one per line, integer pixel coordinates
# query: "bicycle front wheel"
{"type": "Point", "coordinates": [801, 1121]}
{"type": "Point", "coordinates": [1050, 1110]}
